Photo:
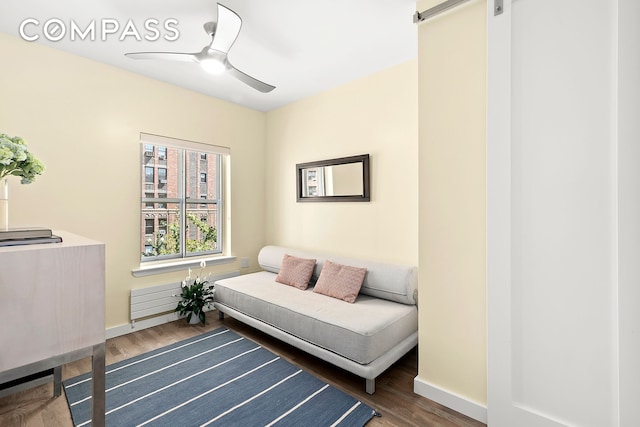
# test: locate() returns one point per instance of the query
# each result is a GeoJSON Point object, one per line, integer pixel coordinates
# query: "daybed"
{"type": "Point", "coordinates": [364, 337]}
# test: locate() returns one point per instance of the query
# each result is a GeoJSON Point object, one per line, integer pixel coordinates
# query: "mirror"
{"type": "Point", "coordinates": [345, 179]}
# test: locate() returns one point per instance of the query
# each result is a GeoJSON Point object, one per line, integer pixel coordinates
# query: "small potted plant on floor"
{"type": "Point", "coordinates": [196, 294]}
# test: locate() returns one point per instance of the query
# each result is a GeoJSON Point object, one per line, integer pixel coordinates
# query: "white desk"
{"type": "Point", "coordinates": [52, 309]}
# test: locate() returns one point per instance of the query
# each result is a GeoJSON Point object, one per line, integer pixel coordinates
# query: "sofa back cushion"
{"type": "Point", "coordinates": [388, 281]}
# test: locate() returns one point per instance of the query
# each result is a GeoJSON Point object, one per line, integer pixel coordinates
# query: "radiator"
{"type": "Point", "coordinates": [154, 300]}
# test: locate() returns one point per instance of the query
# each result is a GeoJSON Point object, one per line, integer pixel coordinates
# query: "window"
{"type": "Point", "coordinates": [162, 176]}
{"type": "Point", "coordinates": [188, 213]}
{"type": "Point", "coordinates": [148, 174]}
{"type": "Point", "coordinates": [149, 226]}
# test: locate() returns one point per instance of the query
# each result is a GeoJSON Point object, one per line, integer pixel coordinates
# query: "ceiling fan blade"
{"type": "Point", "coordinates": [168, 56]}
{"type": "Point", "coordinates": [227, 29]}
{"type": "Point", "coordinates": [245, 78]}
{"type": "Point", "coordinates": [224, 33]}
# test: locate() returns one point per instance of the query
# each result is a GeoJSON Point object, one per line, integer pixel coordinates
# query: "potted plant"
{"type": "Point", "coordinates": [15, 160]}
{"type": "Point", "coordinates": [196, 295]}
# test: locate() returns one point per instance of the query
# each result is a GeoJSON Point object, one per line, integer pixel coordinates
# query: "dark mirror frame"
{"type": "Point", "coordinates": [365, 197]}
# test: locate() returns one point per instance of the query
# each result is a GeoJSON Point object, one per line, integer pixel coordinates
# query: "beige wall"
{"type": "Point", "coordinates": [83, 120]}
{"type": "Point", "coordinates": [375, 115]}
{"type": "Point", "coordinates": [452, 300]}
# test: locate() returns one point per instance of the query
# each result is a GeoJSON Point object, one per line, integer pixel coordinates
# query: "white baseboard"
{"type": "Point", "coordinates": [138, 325]}
{"type": "Point", "coordinates": [451, 400]}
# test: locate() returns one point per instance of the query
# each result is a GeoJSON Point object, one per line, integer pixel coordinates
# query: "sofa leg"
{"type": "Point", "coordinates": [220, 315]}
{"type": "Point", "coordinates": [370, 385]}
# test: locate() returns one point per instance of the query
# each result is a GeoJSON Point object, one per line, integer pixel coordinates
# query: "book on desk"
{"type": "Point", "coordinates": [27, 236]}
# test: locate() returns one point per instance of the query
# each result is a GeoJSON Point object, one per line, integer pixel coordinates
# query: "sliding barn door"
{"type": "Point", "coordinates": [552, 209]}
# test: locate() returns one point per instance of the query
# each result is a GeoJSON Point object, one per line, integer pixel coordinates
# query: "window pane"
{"type": "Point", "coordinates": [201, 235]}
{"type": "Point", "coordinates": [148, 174]}
{"type": "Point", "coordinates": [166, 172]}
{"type": "Point", "coordinates": [202, 219]}
{"type": "Point", "coordinates": [203, 176]}
{"type": "Point", "coordinates": [162, 174]}
{"type": "Point", "coordinates": [196, 175]}
{"type": "Point", "coordinates": [149, 226]}
{"type": "Point", "coordinates": [148, 150]}
{"type": "Point", "coordinates": [162, 232]}
{"type": "Point", "coordinates": [162, 182]}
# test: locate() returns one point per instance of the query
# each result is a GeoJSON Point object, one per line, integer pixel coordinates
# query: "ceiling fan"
{"type": "Point", "coordinates": [213, 57]}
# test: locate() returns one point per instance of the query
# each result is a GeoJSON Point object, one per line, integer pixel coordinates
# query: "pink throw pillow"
{"type": "Point", "coordinates": [340, 281]}
{"type": "Point", "coordinates": [295, 271]}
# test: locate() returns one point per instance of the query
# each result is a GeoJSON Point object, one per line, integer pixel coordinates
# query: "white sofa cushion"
{"type": "Point", "coordinates": [388, 281]}
{"type": "Point", "coordinates": [360, 332]}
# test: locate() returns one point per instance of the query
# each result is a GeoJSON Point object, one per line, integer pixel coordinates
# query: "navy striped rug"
{"type": "Point", "coordinates": [218, 378]}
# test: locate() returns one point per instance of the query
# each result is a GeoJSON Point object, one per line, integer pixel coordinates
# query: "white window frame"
{"type": "Point", "coordinates": [166, 263]}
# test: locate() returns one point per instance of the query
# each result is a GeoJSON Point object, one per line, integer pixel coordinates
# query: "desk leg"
{"type": "Point", "coordinates": [57, 381]}
{"type": "Point", "coordinates": [98, 372]}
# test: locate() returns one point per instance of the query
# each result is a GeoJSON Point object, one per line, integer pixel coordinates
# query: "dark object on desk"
{"type": "Point", "coordinates": [31, 241]}
{"type": "Point", "coordinates": [24, 233]}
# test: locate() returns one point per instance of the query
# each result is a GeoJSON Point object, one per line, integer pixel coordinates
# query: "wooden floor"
{"type": "Point", "coordinates": [394, 398]}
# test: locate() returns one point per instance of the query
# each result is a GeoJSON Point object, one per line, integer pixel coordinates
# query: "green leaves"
{"type": "Point", "coordinates": [17, 161]}
{"type": "Point", "coordinates": [169, 243]}
{"type": "Point", "coordinates": [194, 298]}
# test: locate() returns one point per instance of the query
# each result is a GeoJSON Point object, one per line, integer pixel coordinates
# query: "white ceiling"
{"type": "Point", "coordinates": [301, 47]}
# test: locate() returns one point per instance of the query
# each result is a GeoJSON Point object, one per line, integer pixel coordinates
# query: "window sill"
{"type": "Point", "coordinates": [168, 267]}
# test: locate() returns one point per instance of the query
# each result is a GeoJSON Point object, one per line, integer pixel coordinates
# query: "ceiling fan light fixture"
{"type": "Point", "coordinates": [213, 57]}
{"type": "Point", "coordinates": [212, 65]}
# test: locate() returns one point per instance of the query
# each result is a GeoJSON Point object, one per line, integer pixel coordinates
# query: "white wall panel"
{"type": "Point", "coordinates": [554, 302]}
{"type": "Point", "coordinates": [629, 210]}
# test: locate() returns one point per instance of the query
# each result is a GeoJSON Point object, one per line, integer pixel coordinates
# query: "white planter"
{"type": "Point", "coordinates": [194, 319]}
